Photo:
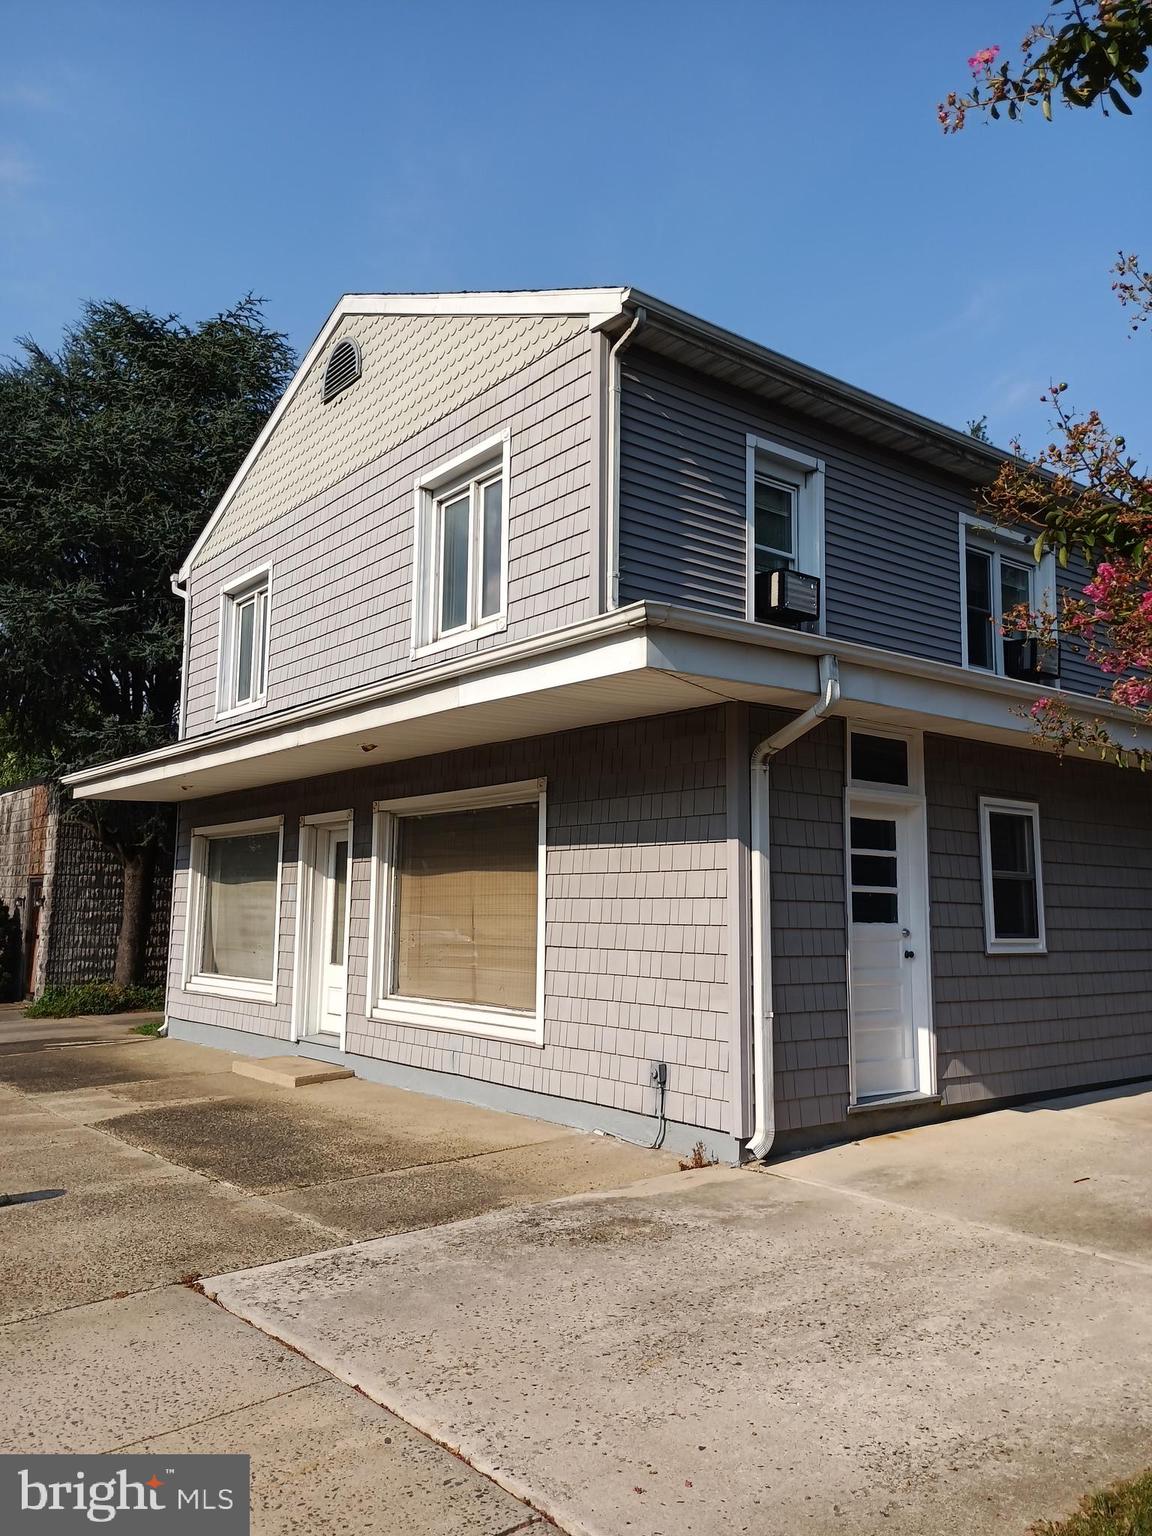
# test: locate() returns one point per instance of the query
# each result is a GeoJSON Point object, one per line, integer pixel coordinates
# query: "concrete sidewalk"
{"type": "Point", "coordinates": [948, 1330]}
{"type": "Point", "coordinates": [159, 1163]}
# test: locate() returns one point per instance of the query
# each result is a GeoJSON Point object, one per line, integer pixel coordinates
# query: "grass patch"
{"type": "Point", "coordinates": [1124, 1509]}
{"type": "Point", "coordinates": [149, 1027]}
{"type": "Point", "coordinates": [94, 997]}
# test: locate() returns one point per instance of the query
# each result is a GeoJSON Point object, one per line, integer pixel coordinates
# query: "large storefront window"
{"type": "Point", "coordinates": [459, 932]}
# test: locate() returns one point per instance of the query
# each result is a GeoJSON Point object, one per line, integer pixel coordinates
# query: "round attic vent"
{"type": "Point", "coordinates": [343, 368]}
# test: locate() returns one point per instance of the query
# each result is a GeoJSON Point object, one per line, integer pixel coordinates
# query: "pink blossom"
{"type": "Point", "coordinates": [1133, 693]}
{"type": "Point", "coordinates": [983, 58]}
{"type": "Point", "coordinates": [1146, 606]}
{"type": "Point", "coordinates": [1039, 708]}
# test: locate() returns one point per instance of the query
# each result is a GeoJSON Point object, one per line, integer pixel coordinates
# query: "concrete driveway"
{"type": "Point", "coordinates": [156, 1163]}
{"type": "Point", "coordinates": [947, 1330]}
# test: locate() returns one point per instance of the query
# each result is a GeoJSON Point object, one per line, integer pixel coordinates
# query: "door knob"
{"type": "Point", "coordinates": [905, 933]}
{"type": "Point", "coordinates": [909, 954]}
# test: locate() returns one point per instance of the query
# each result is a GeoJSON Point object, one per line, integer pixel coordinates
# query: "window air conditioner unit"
{"type": "Point", "coordinates": [1030, 660]}
{"type": "Point", "coordinates": [787, 597]}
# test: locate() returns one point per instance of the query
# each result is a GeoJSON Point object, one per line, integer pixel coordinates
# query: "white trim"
{"type": "Point", "coordinates": [464, 799]}
{"type": "Point", "coordinates": [914, 808]}
{"type": "Point", "coordinates": [302, 952]}
{"type": "Point", "coordinates": [600, 305]}
{"type": "Point", "coordinates": [914, 789]}
{"type": "Point", "coordinates": [538, 678]}
{"type": "Point", "coordinates": [429, 489]}
{"type": "Point", "coordinates": [241, 987]}
{"type": "Point", "coordinates": [240, 587]}
{"type": "Point", "coordinates": [991, 538]}
{"type": "Point", "coordinates": [421, 1013]}
{"type": "Point", "coordinates": [805, 475]}
{"type": "Point", "coordinates": [1010, 946]}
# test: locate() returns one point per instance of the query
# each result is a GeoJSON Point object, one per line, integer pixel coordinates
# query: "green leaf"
{"type": "Point", "coordinates": [1118, 101]}
{"type": "Point", "coordinates": [1046, 106]}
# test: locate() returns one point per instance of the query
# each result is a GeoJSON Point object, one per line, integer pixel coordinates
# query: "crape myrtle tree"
{"type": "Point", "coordinates": [1086, 493]}
{"type": "Point", "coordinates": [113, 452]}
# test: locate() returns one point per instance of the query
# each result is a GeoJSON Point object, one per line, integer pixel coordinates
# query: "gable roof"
{"type": "Point", "coordinates": [592, 306]}
{"type": "Point", "coordinates": [682, 338]}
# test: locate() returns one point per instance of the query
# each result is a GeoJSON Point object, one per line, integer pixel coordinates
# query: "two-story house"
{"type": "Point", "coordinates": [591, 713]}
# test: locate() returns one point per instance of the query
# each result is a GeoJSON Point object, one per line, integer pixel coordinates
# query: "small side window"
{"type": "Point", "coordinates": [1013, 887]}
{"type": "Point", "coordinates": [244, 644]}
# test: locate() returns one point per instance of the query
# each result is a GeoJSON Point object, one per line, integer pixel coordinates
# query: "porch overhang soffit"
{"type": "Point", "coordinates": [646, 659]}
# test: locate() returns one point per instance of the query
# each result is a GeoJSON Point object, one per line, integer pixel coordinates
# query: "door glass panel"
{"type": "Point", "coordinates": [339, 900]}
{"type": "Point", "coordinates": [872, 869]}
{"type": "Point", "coordinates": [493, 512]}
{"type": "Point", "coordinates": [867, 833]}
{"type": "Point", "coordinates": [875, 907]}
{"type": "Point", "coordinates": [454, 565]}
{"type": "Point", "coordinates": [875, 896]}
{"type": "Point", "coordinates": [978, 582]}
{"type": "Point", "coordinates": [879, 759]}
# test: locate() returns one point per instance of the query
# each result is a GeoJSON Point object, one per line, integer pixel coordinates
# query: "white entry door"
{"type": "Point", "coordinates": [888, 947]}
{"type": "Point", "coordinates": [329, 958]}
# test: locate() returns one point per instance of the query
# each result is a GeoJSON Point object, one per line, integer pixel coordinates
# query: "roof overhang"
{"type": "Point", "coordinates": [647, 659]}
{"type": "Point", "coordinates": [693, 343]}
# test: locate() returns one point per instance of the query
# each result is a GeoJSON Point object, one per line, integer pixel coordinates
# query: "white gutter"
{"type": "Point", "coordinates": [763, 1015]}
{"type": "Point", "coordinates": [181, 590]}
{"type": "Point", "coordinates": [612, 511]}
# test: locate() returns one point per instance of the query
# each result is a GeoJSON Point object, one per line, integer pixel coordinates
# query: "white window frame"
{"type": "Point", "coordinates": [195, 980]}
{"type": "Point", "coordinates": [804, 475]}
{"type": "Point", "coordinates": [992, 540]}
{"type": "Point", "coordinates": [914, 739]}
{"type": "Point", "coordinates": [388, 1007]}
{"type": "Point", "coordinates": [232, 597]}
{"type": "Point", "coordinates": [481, 462]}
{"type": "Point", "coordinates": [1011, 946]}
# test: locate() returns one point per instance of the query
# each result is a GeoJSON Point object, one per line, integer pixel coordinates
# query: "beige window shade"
{"type": "Point", "coordinates": [239, 932]}
{"type": "Point", "coordinates": [466, 906]}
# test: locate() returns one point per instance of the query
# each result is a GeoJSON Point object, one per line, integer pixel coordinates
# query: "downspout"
{"type": "Point", "coordinates": [763, 1016]}
{"type": "Point", "coordinates": [182, 592]}
{"type": "Point", "coordinates": [612, 511]}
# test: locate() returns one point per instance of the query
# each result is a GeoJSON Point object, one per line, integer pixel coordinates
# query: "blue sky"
{"type": "Point", "coordinates": [774, 167]}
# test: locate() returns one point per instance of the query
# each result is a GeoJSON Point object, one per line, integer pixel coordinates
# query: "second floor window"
{"type": "Point", "coordinates": [244, 644]}
{"type": "Point", "coordinates": [461, 543]}
{"type": "Point", "coordinates": [785, 490]}
{"type": "Point", "coordinates": [1001, 575]}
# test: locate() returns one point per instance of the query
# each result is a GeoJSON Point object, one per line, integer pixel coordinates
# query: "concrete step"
{"type": "Point", "coordinates": [289, 1071]}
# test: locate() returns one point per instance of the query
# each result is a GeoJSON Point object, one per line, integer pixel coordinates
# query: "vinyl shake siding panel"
{"type": "Point", "coordinates": [1078, 1015]}
{"type": "Point", "coordinates": [636, 914]}
{"type": "Point", "coordinates": [341, 561]}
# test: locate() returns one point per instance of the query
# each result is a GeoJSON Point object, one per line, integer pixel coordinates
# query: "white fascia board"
{"type": "Point", "coordinates": [354, 730]}
{"type": "Point", "coordinates": [601, 305]}
{"type": "Point", "coordinates": [644, 659]}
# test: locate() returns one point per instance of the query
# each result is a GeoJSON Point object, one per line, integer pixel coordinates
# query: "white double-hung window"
{"type": "Point", "coordinates": [243, 678]}
{"type": "Point", "coordinates": [1013, 885]}
{"type": "Point", "coordinates": [461, 542]}
{"type": "Point", "coordinates": [1001, 575]}
{"type": "Point", "coordinates": [785, 491]}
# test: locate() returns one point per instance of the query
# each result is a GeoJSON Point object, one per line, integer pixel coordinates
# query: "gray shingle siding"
{"type": "Point", "coordinates": [1082, 1013]}
{"type": "Point", "coordinates": [342, 561]}
{"type": "Point", "coordinates": [636, 914]}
